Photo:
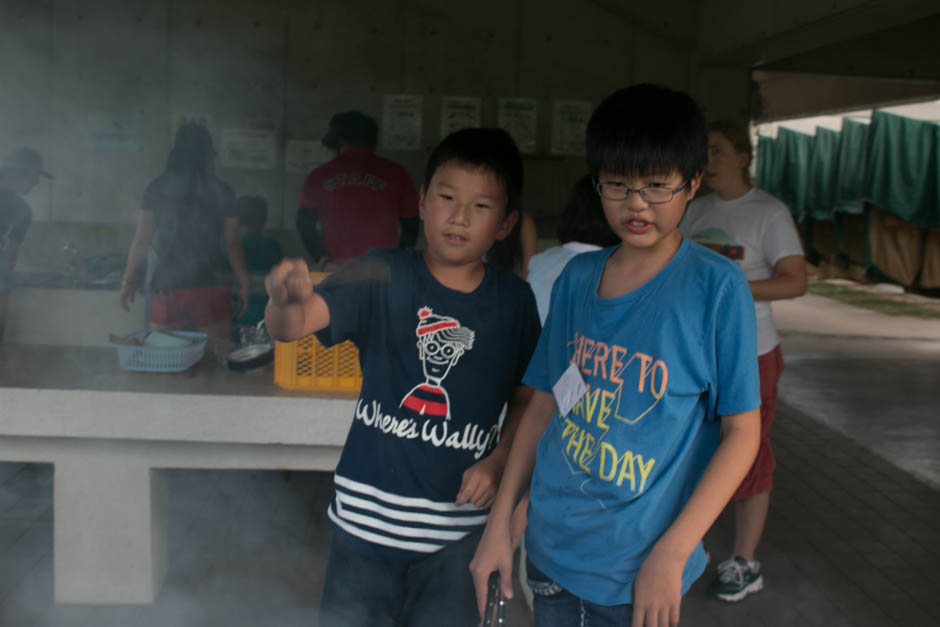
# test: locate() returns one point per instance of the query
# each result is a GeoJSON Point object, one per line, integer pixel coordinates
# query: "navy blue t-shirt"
{"type": "Point", "coordinates": [438, 365]}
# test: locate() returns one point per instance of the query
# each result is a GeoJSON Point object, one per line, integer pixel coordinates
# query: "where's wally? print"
{"type": "Point", "coordinates": [441, 342]}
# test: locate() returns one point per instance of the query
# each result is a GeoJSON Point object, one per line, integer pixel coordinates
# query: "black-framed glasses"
{"type": "Point", "coordinates": [654, 193]}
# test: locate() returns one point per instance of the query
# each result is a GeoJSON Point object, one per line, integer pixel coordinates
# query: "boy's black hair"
{"type": "Point", "coordinates": [492, 150]}
{"type": "Point", "coordinates": [489, 149]}
{"type": "Point", "coordinates": [252, 211]}
{"type": "Point", "coordinates": [582, 219]}
{"type": "Point", "coordinates": [646, 130]}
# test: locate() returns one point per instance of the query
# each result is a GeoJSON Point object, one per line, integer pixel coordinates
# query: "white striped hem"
{"type": "Point", "coordinates": [403, 501]}
{"type": "Point", "coordinates": [398, 530]}
{"type": "Point", "coordinates": [408, 516]}
{"type": "Point", "coordinates": [419, 547]}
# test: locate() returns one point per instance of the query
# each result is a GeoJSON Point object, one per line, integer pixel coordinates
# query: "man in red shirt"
{"type": "Point", "coordinates": [358, 200]}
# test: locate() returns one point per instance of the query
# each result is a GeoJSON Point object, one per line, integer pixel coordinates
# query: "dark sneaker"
{"type": "Point", "coordinates": [736, 579]}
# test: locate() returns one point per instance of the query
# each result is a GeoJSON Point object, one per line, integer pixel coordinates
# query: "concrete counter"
{"type": "Point", "coordinates": [109, 433]}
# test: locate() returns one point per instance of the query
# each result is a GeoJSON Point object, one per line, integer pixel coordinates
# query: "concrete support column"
{"type": "Point", "coordinates": [110, 529]}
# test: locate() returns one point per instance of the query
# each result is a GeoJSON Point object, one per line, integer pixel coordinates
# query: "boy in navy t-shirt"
{"type": "Point", "coordinates": [646, 357]}
{"type": "Point", "coordinates": [444, 341]}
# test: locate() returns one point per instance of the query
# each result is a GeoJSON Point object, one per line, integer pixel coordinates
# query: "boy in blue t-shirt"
{"type": "Point", "coordinates": [444, 341]}
{"type": "Point", "coordinates": [647, 356]}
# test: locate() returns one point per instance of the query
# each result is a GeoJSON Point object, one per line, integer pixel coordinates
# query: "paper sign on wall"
{"type": "Point", "coordinates": [519, 117]}
{"type": "Point", "coordinates": [115, 130]}
{"type": "Point", "coordinates": [401, 122]}
{"type": "Point", "coordinates": [248, 149]}
{"type": "Point", "coordinates": [569, 127]}
{"type": "Point", "coordinates": [458, 112]}
{"type": "Point", "coordinates": [302, 155]}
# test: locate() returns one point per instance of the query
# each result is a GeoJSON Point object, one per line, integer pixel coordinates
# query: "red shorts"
{"type": "Point", "coordinates": [760, 478]}
{"type": "Point", "coordinates": [194, 307]}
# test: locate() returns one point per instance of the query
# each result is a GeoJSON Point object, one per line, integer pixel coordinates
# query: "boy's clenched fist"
{"type": "Point", "coordinates": [289, 282]}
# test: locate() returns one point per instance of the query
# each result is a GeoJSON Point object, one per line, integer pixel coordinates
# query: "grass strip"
{"type": "Point", "coordinates": [867, 300]}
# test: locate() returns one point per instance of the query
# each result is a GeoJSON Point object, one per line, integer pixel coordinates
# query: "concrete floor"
{"type": "Point", "coordinates": [851, 539]}
{"type": "Point", "coordinates": [873, 378]}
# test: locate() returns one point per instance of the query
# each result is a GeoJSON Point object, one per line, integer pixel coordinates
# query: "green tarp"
{"type": "Point", "coordinates": [821, 175]}
{"type": "Point", "coordinates": [850, 167]}
{"type": "Point", "coordinates": [765, 157]}
{"type": "Point", "coordinates": [893, 163]}
{"type": "Point", "coordinates": [791, 167]}
{"type": "Point", "coordinates": [903, 171]}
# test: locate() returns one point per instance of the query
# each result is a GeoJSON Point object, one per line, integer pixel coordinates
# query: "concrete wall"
{"type": "Point", "coordinates": [885, 46]}
{"type": "Point", "coordinates": [908, 52]}
{"type": "Point", "coordinates": [69, 66]}
{"type": "Point", "coordinates": [785, 95]}
{"type": "Point", "coordinates": [747, 34]}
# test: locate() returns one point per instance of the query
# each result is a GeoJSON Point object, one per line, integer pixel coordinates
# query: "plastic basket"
{"type": "Point", "coordinates": [163, 359]}
{"type": "Point", "coordinates": [308, 365]}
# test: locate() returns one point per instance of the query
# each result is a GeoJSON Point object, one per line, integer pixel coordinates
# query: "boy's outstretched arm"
{"type": "Point", "coordinates": [495, 549]}
{"type": "Point", "coordinates": [657, 588]}
{"type": "Point", "coordinates": [294, 310]}
{"type": "Point", "coordinates": [480, 480]}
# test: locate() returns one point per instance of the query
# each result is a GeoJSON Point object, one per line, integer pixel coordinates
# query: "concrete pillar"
{"type": "Point", "coordinates": [110, 530]}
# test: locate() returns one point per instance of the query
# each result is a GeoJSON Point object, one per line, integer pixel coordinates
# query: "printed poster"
{"type": "Point", "coordinates": [303, 155]}
{"type": "Point", "coordinates": [519, 117]}
{"type": "Point", "coordinates": [401, 122]}
{"type": "Point", "coordinates": [115, 130]}
{"type": "Point", "coordinates": [569, 127]}
{"type": "Point", "coordinates": [248, 148]}
{"type": "Point", "coordinates": [458, 112]}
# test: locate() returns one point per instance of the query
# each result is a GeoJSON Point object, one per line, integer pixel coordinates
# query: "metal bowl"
{"type": "Point", "coordinates": [250, 357]}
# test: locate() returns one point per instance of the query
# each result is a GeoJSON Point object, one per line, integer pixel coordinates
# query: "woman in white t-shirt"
{"type": "Point", "coordinates": [755, 230]}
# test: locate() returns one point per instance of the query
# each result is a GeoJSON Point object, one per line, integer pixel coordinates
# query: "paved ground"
{"type": "Point", "coordinates": [852, 537]}
{"type": "Point", "coordinates": [871, 377]}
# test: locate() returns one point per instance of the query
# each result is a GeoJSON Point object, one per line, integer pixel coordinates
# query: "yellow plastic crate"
{"type": "Point", "coordinates": [308, 365]}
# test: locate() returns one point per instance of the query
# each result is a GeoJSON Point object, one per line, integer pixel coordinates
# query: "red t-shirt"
{"type": "Point", "coordinates": [359, 197]}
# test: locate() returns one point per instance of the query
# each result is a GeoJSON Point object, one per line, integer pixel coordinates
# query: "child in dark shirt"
{"type": "Point", "coordinates": [444, 340]}
{"type": "Point", "coordinates": [261, 252]}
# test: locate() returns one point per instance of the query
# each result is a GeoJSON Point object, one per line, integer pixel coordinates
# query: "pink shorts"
{"type": "Point", "coordinates": [197, 307]}
{"type": "Point", "coordinates": [760, 478]}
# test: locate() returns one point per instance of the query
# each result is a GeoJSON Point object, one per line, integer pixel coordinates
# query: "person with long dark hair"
{"type": "Point", "coordinates": [188, 215]}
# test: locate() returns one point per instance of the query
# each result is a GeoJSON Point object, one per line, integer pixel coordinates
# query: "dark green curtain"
{"type": "Point", "coordinates": [903, 172]}
{"type": "Point", "coordinates": [765, 157]}
{"type": "Point", "coordinates": [790, 167]}
{"type": "Point", "coordinates": [850, 168]}
{"type": "Point", "coordinates": [821, 175]}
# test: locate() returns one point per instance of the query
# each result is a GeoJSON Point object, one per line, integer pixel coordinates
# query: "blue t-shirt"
{"type": "Point", "coordinates": [438, 365]}
{"type": "Point", "coordinates": [660, 364]}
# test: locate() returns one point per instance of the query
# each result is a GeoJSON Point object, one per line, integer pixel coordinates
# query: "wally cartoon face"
{"type": "Point", "coordinates": [441, 342]}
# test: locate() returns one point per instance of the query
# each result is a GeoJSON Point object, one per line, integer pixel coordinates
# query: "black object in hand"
{"type": "Point", "coordinates": [495, 612]}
